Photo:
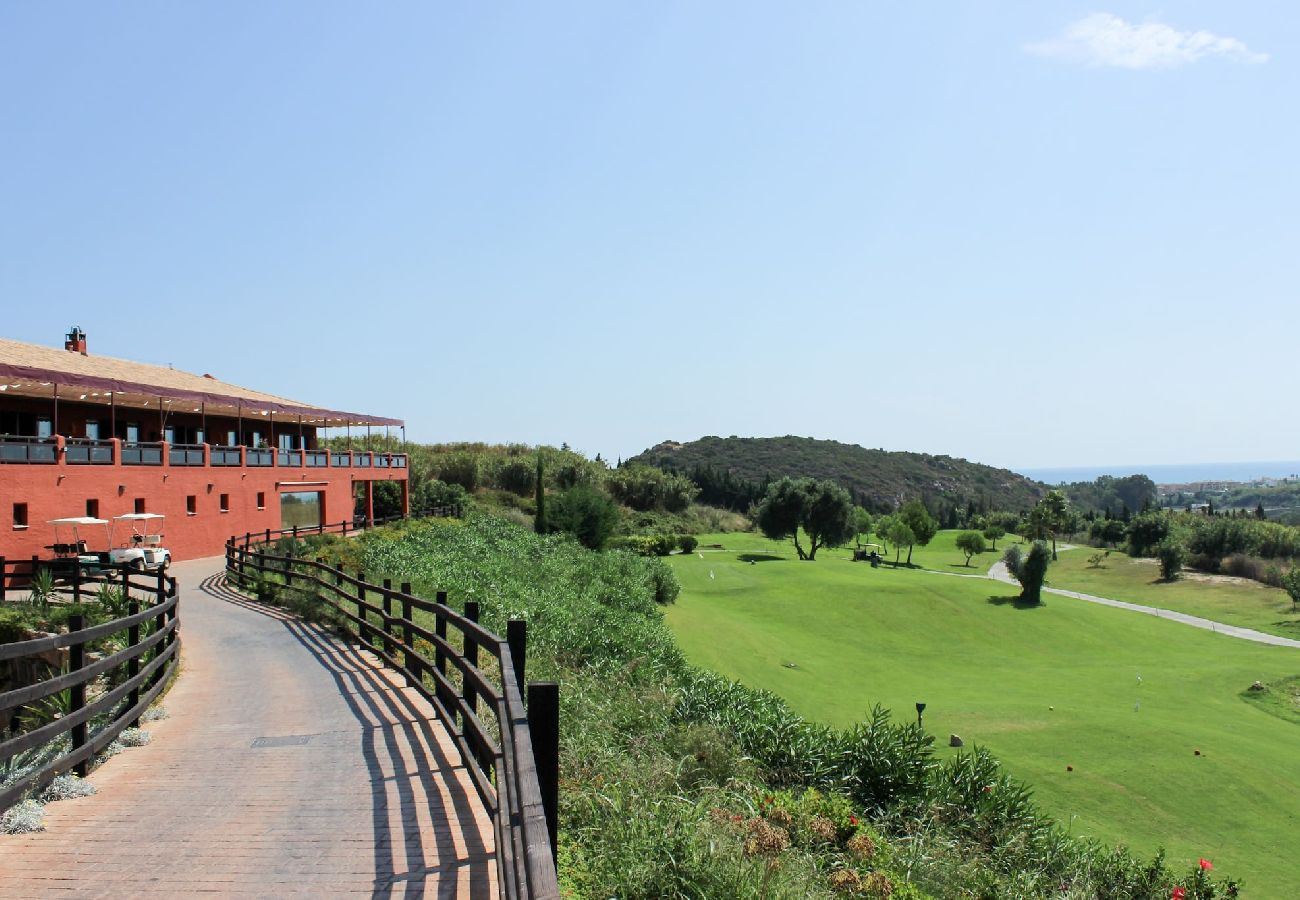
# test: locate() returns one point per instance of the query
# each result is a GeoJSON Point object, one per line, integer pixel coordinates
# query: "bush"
{"type": "Point", "coordinates": [1172, 556]}
{"type": "Point", "coordinates": [459, 468]}
{"type": "Point", "coordinates": [688, 543]}
{"type": "Point", "coordinates": [584, 512]}
{"type": "Point", "coordinates": [434, 494]}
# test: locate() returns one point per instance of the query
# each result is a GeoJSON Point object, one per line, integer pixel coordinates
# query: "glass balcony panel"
{"type": "Point", "coordinates": [87, 452]}
{"type": "Point", "coordinates": [259, 457]}
{"type": "Point", "coordinates": [316, 457]}
{"type": "Point", "coordinates": [21, 449]}
{"type": "Point", "coordinates": [142, 454]}
{"type": "Point", "coordinates": [224, 456]}
{"type": "Point", "coordinates": [185, 455]}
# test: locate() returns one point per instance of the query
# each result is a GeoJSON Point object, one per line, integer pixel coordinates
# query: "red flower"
{"type": "Point", "coordinates": [1178, 894]}
{"type": "Point", "coordinates": [1206, 864]}
{"type": "Point", "coordinates": [853, 820]}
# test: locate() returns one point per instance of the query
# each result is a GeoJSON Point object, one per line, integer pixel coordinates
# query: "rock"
{"type": "Point", "coordinates": [1069, 768]}
{"type": "Point", "coordinates": [1257, 686]}
{"type": "Point", "coordinates": [955, 741]}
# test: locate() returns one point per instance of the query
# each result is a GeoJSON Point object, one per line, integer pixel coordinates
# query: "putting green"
{"type": "Point", "coordinates": [1125, 699]}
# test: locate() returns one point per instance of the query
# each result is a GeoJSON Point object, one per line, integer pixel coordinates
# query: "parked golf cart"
{"type": "Point", "coordinates": [71, 548]}
{"type": "Point", "coordinates": [142, 547]}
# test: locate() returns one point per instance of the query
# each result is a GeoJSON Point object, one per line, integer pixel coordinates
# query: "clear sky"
{"type": "Point", "coordinates": [1029, 234]}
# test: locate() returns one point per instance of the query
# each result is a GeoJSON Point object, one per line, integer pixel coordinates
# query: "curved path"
{"type": "Point", "coordinates": [290, 763]}
{"type": "Point", "coordinates": [999, 572]}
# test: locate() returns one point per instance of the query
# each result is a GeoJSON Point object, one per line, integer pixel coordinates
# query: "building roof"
{"type": "Point", "coordinates": [31, 370]}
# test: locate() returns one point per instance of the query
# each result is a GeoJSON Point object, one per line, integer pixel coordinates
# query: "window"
{"type": "Point", "coordinates": [286, 442]}
{"type": "Point", "coordinates": [44, 427]}
{"type": "Point", "coordinates": [92, 509]}
{"type": "Point", "coordinates": [133, 437]}
{"type": "Point", "coordinates": [92, 429]}
{"type": "Point", "coordinates": [225, 503]}
{"type": "Point", "coordinates": [192, 505]}
{"type": "Point", "coordinates": [20, 515]}
{"type": "Point", "coordinates": [169, 434]}
{"type": "Point", "coordinates": [261, 500]}
{"type": "Point", "coordinates": [139, 505]}
{"type": "Point", "coordinates": [301, 509]}
{"type": "Point", "coordinates": [232, 439]}
{"type": "Point", "coordinates": [200, 437]}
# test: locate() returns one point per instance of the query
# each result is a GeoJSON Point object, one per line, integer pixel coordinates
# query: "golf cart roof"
{"type": "Point", "coordinates": [138, 517]}
{"type": "Point", "coordinates": [78, 520]}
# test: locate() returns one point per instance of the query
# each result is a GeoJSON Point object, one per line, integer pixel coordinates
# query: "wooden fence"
{"type": "Point", "coordinates": [129, 679]}
{"type": "Point", "coordinates": [511, 750]}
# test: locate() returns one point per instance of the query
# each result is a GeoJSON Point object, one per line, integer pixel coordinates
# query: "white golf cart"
{"type": "Point", "coordinates": [142, 548]}
{"type": "Point", "coordinates": [70, 546]}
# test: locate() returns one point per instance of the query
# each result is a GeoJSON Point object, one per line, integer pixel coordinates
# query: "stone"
{"type": "Point", "coordinates": [955, 741]}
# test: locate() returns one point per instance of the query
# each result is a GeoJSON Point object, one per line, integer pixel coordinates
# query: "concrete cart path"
{"type": "Point", "coordinates": [290, 763]}
{"type": "Point", "coordinates": [999, 572]}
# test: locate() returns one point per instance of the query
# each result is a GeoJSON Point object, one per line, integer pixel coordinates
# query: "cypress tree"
{"type": "Point", "coordinates": [539, 522]}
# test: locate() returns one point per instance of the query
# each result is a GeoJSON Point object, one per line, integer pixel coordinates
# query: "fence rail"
{"type": "Point", "coordinates": [152, 606]}
{"type": "Point", "coordinates": [513, 763]}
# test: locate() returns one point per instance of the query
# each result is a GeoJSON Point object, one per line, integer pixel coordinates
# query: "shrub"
{"type": "Point", "coordinates": [1291, 584]}
{"type": "Point", "coordinates": [67, 787]}
{"type": "Point", "coordinates": [1172, 556]}
{"type": "Point", "coordinates": [688, 543]}
{"type": "Point", "coordinates": [460, 469]}
{"type": "Point", "coordinates": [23, 818]}
{"type": "Point", "coordinates": [515, 475]}
{"type": "Point", "coordinates": [433, 494]}
{"type": "Point", "coordinates": [584, 512]}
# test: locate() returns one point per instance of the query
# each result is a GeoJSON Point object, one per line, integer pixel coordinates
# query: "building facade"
{"type": "Point", "coordinates": [98, 437]}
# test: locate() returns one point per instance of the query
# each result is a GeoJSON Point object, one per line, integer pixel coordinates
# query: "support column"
{"type": "Point", "coordinates": [370, 504]}
{"type": "Point", "coordinates": [406, 499]}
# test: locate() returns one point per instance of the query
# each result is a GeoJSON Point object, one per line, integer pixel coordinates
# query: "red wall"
{"type": "Point", "coordinates": [59, 491]}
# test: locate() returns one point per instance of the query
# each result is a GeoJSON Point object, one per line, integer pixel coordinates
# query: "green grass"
{"type": "Point", "coordinates": [1235, 601]}
{"type": "Point", "coordinates": [832, 637]}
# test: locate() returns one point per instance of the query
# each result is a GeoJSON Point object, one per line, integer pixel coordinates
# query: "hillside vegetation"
{"type": "Point", "coordinates": [879, 480]}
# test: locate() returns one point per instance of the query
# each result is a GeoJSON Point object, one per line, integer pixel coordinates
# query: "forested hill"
{"type": "Point", "coordinates": [731, 471]}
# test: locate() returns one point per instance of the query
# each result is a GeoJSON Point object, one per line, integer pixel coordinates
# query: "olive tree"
{"type": "Point", "coordinates": [822, 509]}
{"type": "Point", "coordinates": [971, 543]}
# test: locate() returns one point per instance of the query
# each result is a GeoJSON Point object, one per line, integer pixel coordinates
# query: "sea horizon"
{"type": "Point", "coordinates": [1170, 473]}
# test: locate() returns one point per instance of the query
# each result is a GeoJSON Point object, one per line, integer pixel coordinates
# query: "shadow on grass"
{"type": "Point", "coordinates": [758, 557]}
{"type": "Point", "coordinates": [1017, 602]}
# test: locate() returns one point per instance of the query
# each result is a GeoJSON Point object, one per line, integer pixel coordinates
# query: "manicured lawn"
{"type": "Point", "coordinates": [1120, 577]}
{"type": "Point", "coordinates": [1043, 688]}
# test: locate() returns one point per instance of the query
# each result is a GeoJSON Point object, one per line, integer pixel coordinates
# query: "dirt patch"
{"type": "Point", "coordinates": [1221, 579]}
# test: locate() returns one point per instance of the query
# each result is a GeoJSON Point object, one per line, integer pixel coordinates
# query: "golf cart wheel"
{"type": "Point", "coordinates": [137, 564]}
{"type": "Point", "coordinates": [165, 564]}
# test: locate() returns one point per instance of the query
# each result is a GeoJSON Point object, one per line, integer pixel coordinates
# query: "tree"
{"type": "Point", "coordinates": [993, 533]}
{"type": "Point", "coordinates": [861, 524]}
{"type": "Point", "coordinates": [971, 543]}
{"type": "Point", "coordinates": [539, 521]}
{"type": "Point", "coordinates": [823, 509]}
{"type": "Point", "coordinates": [923, 525]}
{"type": "Point", "coordinates": [1259, 511]}
{"type": "Point", "coordinates": [586, 513]}
{"type": "Point", "coordinates": [1055, 515]}
{"type": "Point", "coordinates": [881, 527]}
{"type": "Point", "coordinates": [1291, 584]}
{"type": "Point", "coordinates": [1172, 554]}
{"type": "Point", "coordinates": [1030, 570]}
{"type": "Point", "coordinates": [900, 533]}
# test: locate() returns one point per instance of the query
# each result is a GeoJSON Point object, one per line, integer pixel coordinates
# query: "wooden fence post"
{"type": "Point", "coordinates": [544, 729]}
{"type": "Point", "coordinates": [362, 630]}
{"type": "Point", "coordinates": [132, 639]}
{"type": "Point", "coordinates": [408, 655]}
{"type": "Point", "coordinates": [388, 616]}
{"type": "Point", "coordinates": [440, 656]}
{"type": "Point", "coordinates": [471, 656]}
{"type": "Point", "coordinates": [517, 638]}
{"type": "Point", "coordinates": [159, 623]}
{"type": "Point", "coordinates": [76, 660]}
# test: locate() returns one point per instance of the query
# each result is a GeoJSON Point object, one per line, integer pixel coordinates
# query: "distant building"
{"type": "Point", "coordinates": [84, 435]}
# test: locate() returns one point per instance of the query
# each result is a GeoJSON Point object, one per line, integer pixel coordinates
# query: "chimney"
{"type": "Point", "coordinates": [76, 341]}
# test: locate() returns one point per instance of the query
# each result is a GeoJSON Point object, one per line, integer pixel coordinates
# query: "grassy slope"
{"type": "Point", "coordinates": [990, 671]}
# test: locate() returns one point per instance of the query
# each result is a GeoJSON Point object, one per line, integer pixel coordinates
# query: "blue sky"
{"type": "Point", "coordinates": [1030, 234]}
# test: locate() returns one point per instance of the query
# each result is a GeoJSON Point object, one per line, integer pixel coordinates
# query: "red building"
{"type": "Point", "coordinates": [85, 435]}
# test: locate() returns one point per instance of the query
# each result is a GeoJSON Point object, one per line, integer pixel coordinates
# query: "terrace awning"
{"type": "Point", "coordinates": [28, 370]}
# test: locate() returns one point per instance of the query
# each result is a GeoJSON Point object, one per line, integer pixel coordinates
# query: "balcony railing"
{"type": "Point", "coordinates": [225, 456]}
{"type": "Point", "coordinates": [87, 452]}
{"type": "Point", "coordinates": [139, 454]}
{"type": "Point", "coordinates": [185, 455]}
{"type": "Point", "coordinates": [25, 449]}
{"type": "Point", "coordinates": [15, 449]}
{"type": "Point", "coordinates": [259, 457]}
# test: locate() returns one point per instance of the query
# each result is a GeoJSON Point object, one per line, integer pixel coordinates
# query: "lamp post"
{"type": "Point", "coordinates": [920, 708]}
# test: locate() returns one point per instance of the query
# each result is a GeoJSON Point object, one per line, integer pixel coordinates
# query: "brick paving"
{"type": "Point", "coordinates": [363, 793]}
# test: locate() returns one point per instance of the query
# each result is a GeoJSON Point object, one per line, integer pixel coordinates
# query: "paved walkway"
{"type": "Point", "coordinates": [289, 764]}
{"type": "Point", "coordinates": [999, 573]}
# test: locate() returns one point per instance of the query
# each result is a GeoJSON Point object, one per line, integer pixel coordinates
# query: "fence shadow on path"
{"type": "Point", "coordinates": [391, 722]}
